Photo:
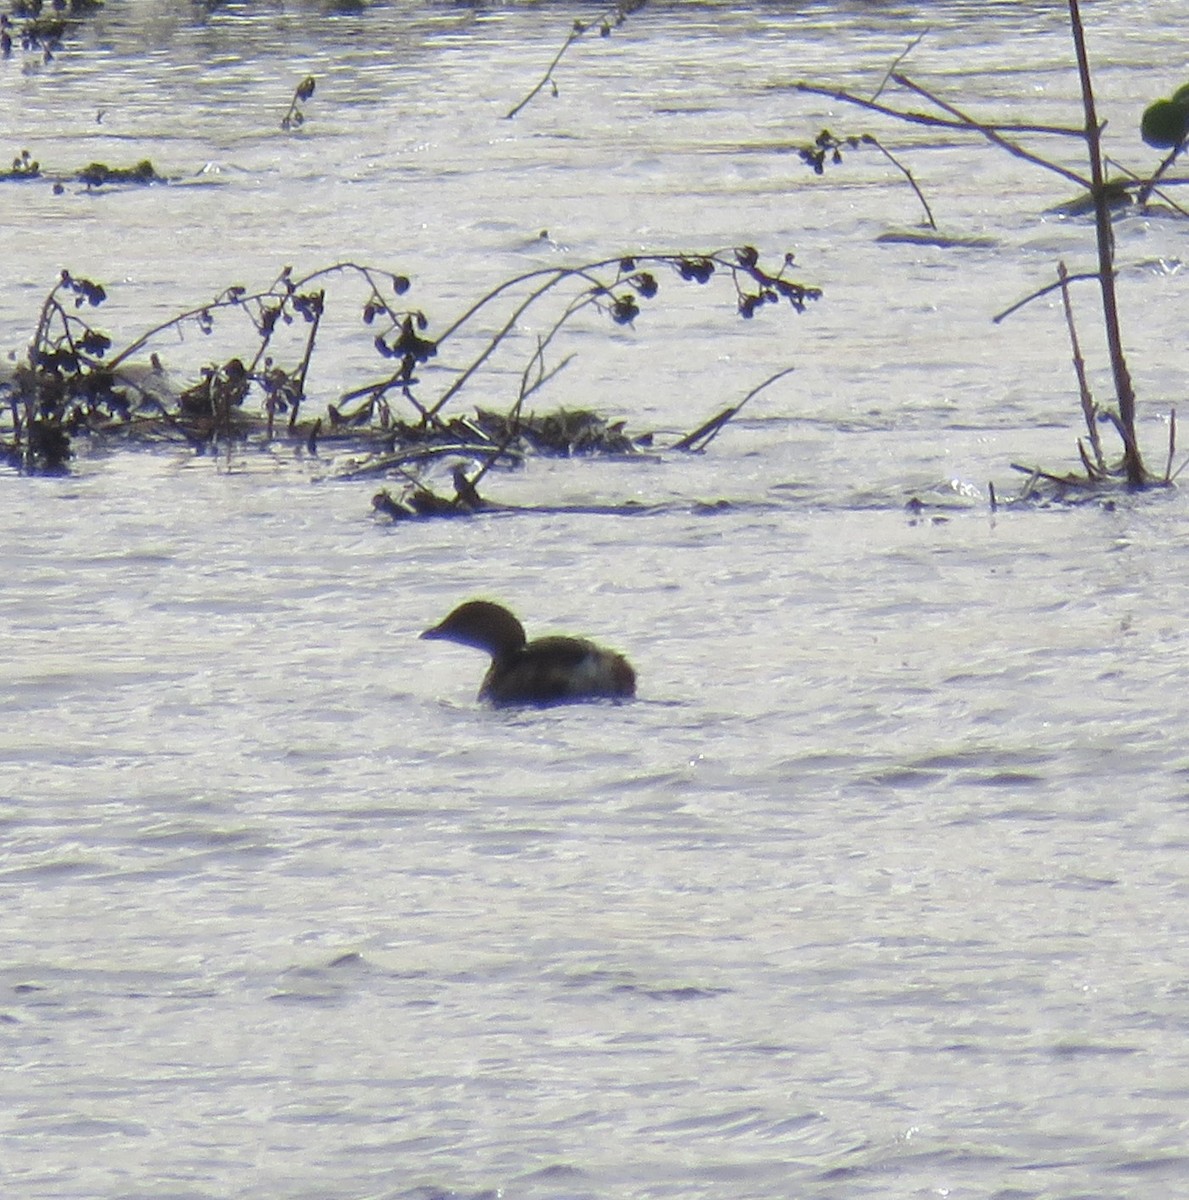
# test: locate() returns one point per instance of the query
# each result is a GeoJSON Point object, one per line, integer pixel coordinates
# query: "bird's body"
{"type": "Point", "coordinates": [548, 670]}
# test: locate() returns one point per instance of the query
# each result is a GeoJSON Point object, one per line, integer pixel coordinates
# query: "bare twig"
{"type": "Point", "coordinates": [1145, 192]}
{"type": "Point", "coordinates": [867, 138]}
{"type": "Point", "coordinates": [1146, 188]}
{"type": "Point", "coordinates": [707, 432]}
{"type": "Point", "coordinates": [1172, 444]}
{"type": "Point", "coordinates": [616, 14]}
{"type": "Point", "coordinates": [920, 118]}
{"type": "Point", "coordinates": [1040, 293]}
{"type": "Point", "coordinates": [994, 133]}
{"type": "Point", "coordinates": [883, 83]}
{"type": "Point", "coordinates": [1035, 473]}
{"type": "Point", "coordinates": [911, 118]}
{"type": "Point", "coordinates": [283, 287]}
{"type": "Point", "coordinates": [1079, 365]}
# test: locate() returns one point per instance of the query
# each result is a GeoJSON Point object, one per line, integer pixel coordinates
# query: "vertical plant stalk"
{"type": "Point", "coordinates": [299, 377]}
{"type": "Point", "coordinates": [1079, 366]}
{"type": "Point", "coordinates": [1124, 390]}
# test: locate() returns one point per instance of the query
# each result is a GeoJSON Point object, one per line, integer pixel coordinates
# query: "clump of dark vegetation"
{"type": "Point", "coordinates": [295, 117]}
{"type": "Point", "coordinates": [99, 174]}
{"type": "Point", "coordinates": [27, 25]}
{"type": "Point", "coordinates": [1166, 125]}
{"type": "Point", "coordinates": [25, 168]}
{"type": "Point", "coordinates": [611, 18]}
{"type": "Point", "coordinates": [73, 384]}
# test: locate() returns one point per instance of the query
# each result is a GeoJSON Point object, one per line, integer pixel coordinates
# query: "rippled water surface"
{"type": "Point", "coordinates": [878, 889]}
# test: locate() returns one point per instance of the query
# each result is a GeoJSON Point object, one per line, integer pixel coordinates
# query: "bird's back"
{"type": "Point", "coordinates": [552, 670]}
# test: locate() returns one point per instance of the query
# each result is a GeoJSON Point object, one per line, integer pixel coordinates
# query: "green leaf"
{"type": "Point", "coordinates": [1165, 124]}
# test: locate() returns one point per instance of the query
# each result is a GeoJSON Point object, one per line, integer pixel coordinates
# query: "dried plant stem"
{"type": "Point", "coordinates": [1011, 310]}
{"type": "Point", "coordinates": [575, 33]}
{"type": "Point", "coordinates": [928, 119]}
{"type": "Point", "coordinates": [299, 376]}
{"type": "Point", "coordinates": [555, 275]}
{"type": "Point", "coordinates": [994, 133]}
{"type": "Point", "coordinates": [1124, 390]}
{"type": "Point", "coordinates": [294, 118]}
{"type": "Point", "coordinates": [1089, 411]}
{"type": "Point", "coordinates": [242, 301]}
{"type": "Point", "coordinates": [1146, 188]}
{"type": "Point", "coordinates": [616, 14]}
{"type": "Point", "coordinates": [708, 431]}
{"type": "Point", "coordinates": [1145, 192]}
{"type": "Point", "coordinates": [871, 141]}
{"type": "Point", "coordinates": [1035, 473]}
{"type": "Point", "coordinates": [883, 83]}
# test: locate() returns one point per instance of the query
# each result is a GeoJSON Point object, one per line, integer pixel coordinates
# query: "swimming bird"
{"type": "Point", "coordinates": [548, 670]}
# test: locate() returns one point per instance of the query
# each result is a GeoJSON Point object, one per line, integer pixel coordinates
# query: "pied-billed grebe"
{"type": "Point", "coordinates": [548, 670]}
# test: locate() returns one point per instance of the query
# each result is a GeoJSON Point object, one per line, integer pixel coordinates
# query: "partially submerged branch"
{"type": "Point", "coordinates": [827, 146]}
{"type": "Point", "coordinates": [613, 17]}
{"type": "Point", "coordinates": [614, 287]}
{"type": "Point", "coordinates": [1102, 194]}
{"type": "Point", "coordinates": [995, 133]}
{"type": "Point", "coordinates": [1040, 293]}
{"type": "Point", "coordinates": [1105, 240]}
{"type": "Point", "coordinates": [701, 437]}
{"type": "Point", "coordinates": [73, 382]}
{"type": "Point", "coordinates": [962, 124]}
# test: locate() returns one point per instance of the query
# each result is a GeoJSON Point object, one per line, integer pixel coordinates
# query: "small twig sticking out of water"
{"type": "Point", "coordinates": [314, 316]}
{"type": "Point", "coordinates": [1063, 482]}
{"type": "Point", "coordinates": [708, 431]}
{"type": "Point", "coordinates": [1011, 310]}
{"type": "Point", "coordinates": [883, 83]}
{"type": "Point", "coordinates": [1089, 409]}
{"type": "Point", "coordinates": [1171, 437]}
{"type": "Point", "coordinates": [295, 118]}
{"type": "Point", "coordinates": [826, 145]}
{"type": "Point", "coordinates": [1172, 444]}
{"type": "Point", "coordinates": [470, 484]}
{"type": "Point", "coordinates": [542, 375]}
{"type": "Point", "coordinates": [869, 140]}
{"type": "Point", "coordinates": [1035, 474]}
{"type": "Point", "coordinates": [283, 389]}
{"type": "Point", "coordinates": [533, 377]}
{"type": "Point", "coordinates": [612, 18]}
